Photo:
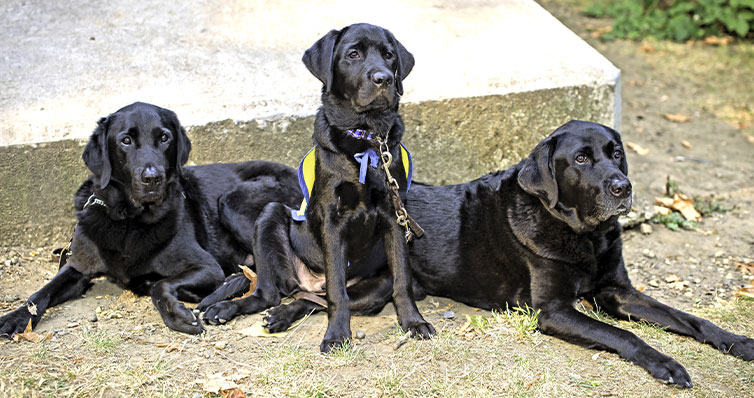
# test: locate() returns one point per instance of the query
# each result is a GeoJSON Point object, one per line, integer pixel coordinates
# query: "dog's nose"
{"type": "Point", "coordinates": [620, 188]}
{"type": "Point", "coordinates": [382, 79]}
{"type": "Point", "coordinates": [151, 176]}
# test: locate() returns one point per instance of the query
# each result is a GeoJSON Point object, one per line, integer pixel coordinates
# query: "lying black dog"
{"type": "Point", "coordinates": [152, 225]}
{"type": "Point", "coordinates": [544, 233]}
{"type": "Point", "coordinates": [349, 209]}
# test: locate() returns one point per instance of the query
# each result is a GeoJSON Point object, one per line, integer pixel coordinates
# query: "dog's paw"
{"type": "Point", "coordinates": [278, 319]}
{"type": "Point", "coordinates": [421, 330]}
{"type": "Point", "coordinates": [665, 369]}
{"type": "Point", "coordinates": [738, 346]}
{"type": "Point", "coordinates": [14, 322]}
{"type": "Point", "coordinates": [181, 319]}
{"type": "Point", "coordinates": [332, 344]}
{"type": "Point", "coordinates": [221, 312]}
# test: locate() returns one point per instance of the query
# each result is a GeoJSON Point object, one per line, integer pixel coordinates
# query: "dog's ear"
{"type": "Point", "coordinates": [537, 175]}
{"type": "Point", "coordinates": [405, 62]}
{"type": "Point", "coordinates": [319, 58]}
{"type": "Point", "coordinates": [182, 142]}
{"type": "Point", "coordinates": [95, 154]}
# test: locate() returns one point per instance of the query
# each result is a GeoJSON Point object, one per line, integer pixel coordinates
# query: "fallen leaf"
{"type": "Point", "coordinates": [217, 382]}
{"type": "Point", "coordinates": [252, 277]}
{"type": "Point", "coordinates": [746, 268]}
{"type": "Point", "coordinates": [637, 148]}
{"type": "Point", "coordinates": [677, 117]}
{"type": "Point", "coordinates": [662, 210]}
{"type": "Point", "coordinates": [170, 347]}
{"type": "Point", "coordinates": [587, 305]}
{"type": "Point", "coordinates": [672, 278]}
{"type": "Point", "coordinates": [641, 288]}
{"type": "Point", "coordinates": [258, 330]}
{"type": "Point", "coordinates": [647, 48]}
{"type": "Point", "coordinates": [233, 393]}
{"type": "Point", "coordinates": [686, 144]}
{"type": "Point", "coordinates": [28, 335]}
{"type": "Point", "coordinates": [683, 204]}
{"type": "Point", "coordinates": [718, 41]}
{"type": "Point", "coordinates": [79, 359]}
{"type": "Point", "coordinates": [746, 291]}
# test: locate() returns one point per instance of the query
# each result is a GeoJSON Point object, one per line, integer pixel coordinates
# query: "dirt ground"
{"type": "Point", "coordinates": [111, 343]}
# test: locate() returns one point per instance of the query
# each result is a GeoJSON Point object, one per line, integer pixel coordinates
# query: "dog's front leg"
{"type": "Point", "coordinates": [560, 319]}
{"type": "Point", "coordinates": [338, 312]}
{"type": "Point", "coordinates": [67, 284]}
{"type": "Point", "coordinates": [625, 302]}
{"type": "Point", "coordinates": [397, 257]}
{"type": "Point", "coordinates": [194, 282]}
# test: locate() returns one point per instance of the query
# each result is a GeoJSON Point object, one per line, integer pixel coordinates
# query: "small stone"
{"type": "Point", "coordinates": [93, 317]}
{"type": "Point", "coordinates": [448, 314]}
{"type": "Point", "coordinates": [645, 228]}
{"type": "Point", "coordinates": [697, 281]}
{"type": "Point", "coordinates": [8, 263]}
{"type": "Point", "coordinates": [654, 283]}
{"type": "Point", "coordinates": [197, 395]}
{"type": "Point", "coordinates": [360, 335]}
{"type": "Point", "coordinates": [719, 253]}
{"type": "Point", "coordinates": [72, 325]}
{"type": "Point", "coordinates": [595, 356]}
{"type": "Point", "coordinates": [672, 278]}
{"type": "Point", "coordinates": [220, 345]}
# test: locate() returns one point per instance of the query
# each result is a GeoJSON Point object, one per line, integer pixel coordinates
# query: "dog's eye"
{"type": "Point", "coordinates": [618, 155]}
{"type": "Point", "coordinates": [353, 54]}
{"type": "Point", "coordinates": [164, 138]}
{"type": "Point", "coordinates": [581, 158]}
{"type": "Point", "coordinates": [126, 140]}
{"type": "Point", "coordinates": [388, 55]}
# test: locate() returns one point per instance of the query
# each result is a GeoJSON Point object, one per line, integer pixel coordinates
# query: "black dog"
{"type": "Point", "coordinates": [545, 233]}
{"type": "Point", "coordinates": [151, 225]}
{"type": "Point", "coordinates": [349, 210]}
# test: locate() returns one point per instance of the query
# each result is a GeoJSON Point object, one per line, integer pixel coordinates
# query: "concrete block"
{"type": "Point", "coordinates": [491, 79]}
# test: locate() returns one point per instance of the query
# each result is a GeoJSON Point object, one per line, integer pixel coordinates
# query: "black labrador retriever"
{"type": "Point", "coordinates": [152, 225]}
{"type": "Point", "coordinates": [544, 233]}
{"type": "Point", "coordinates": [350, 225]}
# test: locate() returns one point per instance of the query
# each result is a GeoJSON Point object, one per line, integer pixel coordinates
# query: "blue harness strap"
{"type": "Point", "coordinates": [365, 159]}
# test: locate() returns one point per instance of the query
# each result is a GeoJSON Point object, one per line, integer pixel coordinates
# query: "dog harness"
{"type": "Point", "coordinates": [365, 159]}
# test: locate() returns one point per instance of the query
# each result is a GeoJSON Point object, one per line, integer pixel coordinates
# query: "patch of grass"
{"type": "Point", "coordinates": [706, 205]}
{"type": "Point", "coordinates": [101, 341]}
{"type": "Point", "coordinates": [319, 390]}
{"type": "Point", "coordinates": [523, 320]}
{"type": "Point", "coordinates": [346, 354]}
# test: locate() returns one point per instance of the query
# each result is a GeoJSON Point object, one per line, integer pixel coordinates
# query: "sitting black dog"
{"type": "Point", "coordinates": [350, 225]}
{"type": "Point", "coordinates": [543, 233]}
{"type": "Point", "coordinates": [150, 224]}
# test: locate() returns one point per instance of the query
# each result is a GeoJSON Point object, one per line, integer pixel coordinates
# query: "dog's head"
{"type": "Point", "coordinates": [361, 63]}
{"type": "Point", "coordinates": [139, 148]}
{"type": "Point", "coordinates": [580, 175]}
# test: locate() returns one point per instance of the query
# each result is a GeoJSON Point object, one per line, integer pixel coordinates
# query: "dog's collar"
{"type": "Point", "coordinates": [360, 134]}
{"type": "Point", "coordinates": [93, 200]}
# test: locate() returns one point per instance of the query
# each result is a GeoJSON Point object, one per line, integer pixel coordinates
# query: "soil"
{"type": "Point", "coordinates": [711, 154]}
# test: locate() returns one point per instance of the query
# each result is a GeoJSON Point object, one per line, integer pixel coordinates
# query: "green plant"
{"type": "Point", "coordinates": [525, 320]}
{"type": "Point", "coordinates": [674, 221]}
{"type": "Point", "coordinates": [677, 20]}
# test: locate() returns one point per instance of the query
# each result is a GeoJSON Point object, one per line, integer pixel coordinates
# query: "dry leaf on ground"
{"type": "Point", "coordinates": [233, 393]}
{"type": "Point", "coordinates": [746, 291]}
{"type": "Point", "coordinates": [258, 330]}
{"type": "Point", "coordinates": [683, 204]}
{"type": "Point", "coordinates": [746, 268]}
{"type": "Point", "coordinates": [170, 347]}
{"type": "Point", "coordinates": [637, 148]}
{"type": "Point", "coordinates": [214, 383]}
{"type": "Point", "coordinates": [647, 48]}
{"type": "Point", "coordinates": [718, 41]}
{"type": "Point", "coordinates": [28, 335]}
{"type": "Point", "coordinates": [677, 117]}
{"type": "Point", "coordinates": [686, 144]}
{"type": "Point", "coordinates": [252, 277]}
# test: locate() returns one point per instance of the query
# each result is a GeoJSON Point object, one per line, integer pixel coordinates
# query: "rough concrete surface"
{"type": "Point", "coordinates": [491, 78]}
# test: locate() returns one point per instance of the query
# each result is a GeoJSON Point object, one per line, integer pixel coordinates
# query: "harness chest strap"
{"type": "Point", "coordinates": [306, 173]}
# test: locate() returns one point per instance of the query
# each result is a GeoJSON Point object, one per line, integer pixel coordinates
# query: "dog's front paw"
{"type": "Point", "coordinates": [14, 322]}
{"type": "Point", "coordinates": [221, 312]}
{"type": "Point", "coordinates": [181, 319]}
{"type": "Point", "coordinates": [278, 319]}
{"type": "Point", "coordinates": [738, 346]}
{"type": "Point", "coordinates": [664, 368]}
{"type": "Point", "coordinates": [331, 344]}
{"type": "Point", "coordinates": [420, 330]}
